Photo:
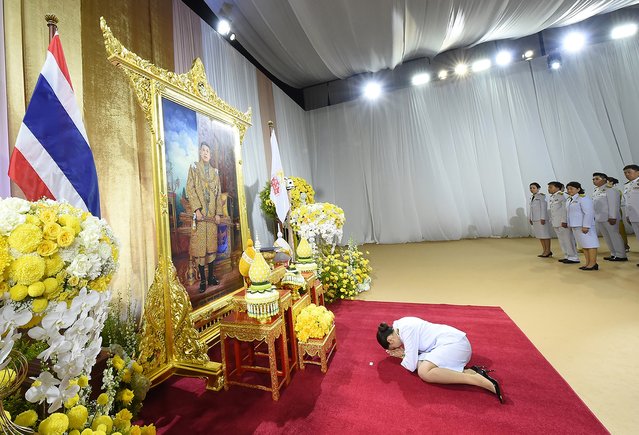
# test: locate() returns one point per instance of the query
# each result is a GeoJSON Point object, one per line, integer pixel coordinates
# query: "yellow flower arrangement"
{"type": "Point", "coordinates": [300, 186]}
{"type": "Point", "coordinates": [344, 272]}
{"type": "Point", "coordinates": [320, 220]}
{"type": "Point", "coordinates": [313, 322]}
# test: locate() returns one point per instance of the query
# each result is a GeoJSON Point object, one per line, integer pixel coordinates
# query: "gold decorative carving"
{"type": "Point", "coordinates": [174, 337]}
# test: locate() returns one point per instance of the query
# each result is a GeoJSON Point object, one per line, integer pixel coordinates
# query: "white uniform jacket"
{"type": "Point", "coordinates": [538, 208]}
{"type": "Point", "coordinates": [557, 209]}
{"type": "Point", "coordinates": [631, 199]}
{"type": "Point", "coordinates": [419, 336]}
{"type": "Point", "coordinates": [607, 203]}
{"type": "Point", "coordinates": [581, 212]}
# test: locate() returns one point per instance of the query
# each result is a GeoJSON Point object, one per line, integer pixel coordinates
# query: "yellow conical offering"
{"type": "Point", "coordinates": [305, 257]}
{"type": "Point", "coordinates": [247, 258]}
{"type": "Point", "coordinates": [262, 300]}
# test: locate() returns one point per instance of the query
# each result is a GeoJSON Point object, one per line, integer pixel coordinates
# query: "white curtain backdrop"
{"type": "Point", "coordinates": [5, 189]}
{"type": "Point", "coordinates": [454, 159]}
{"type": "Point", "coordinates": [234, 80]}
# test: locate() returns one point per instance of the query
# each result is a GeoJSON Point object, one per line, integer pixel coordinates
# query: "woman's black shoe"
{"type": "Point", "coordinates": [483, 372]}
{"type": "Point", "coordinates": [595, 267]}
{"type": "Point", "coordinates": [545, 255]}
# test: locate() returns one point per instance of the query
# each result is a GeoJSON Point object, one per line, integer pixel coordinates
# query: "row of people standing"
{"type": "Point", "coordinates": [578, 219]}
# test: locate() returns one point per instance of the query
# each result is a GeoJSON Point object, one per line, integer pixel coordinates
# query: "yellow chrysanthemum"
{"type": "Point", "coordinates": [26, 418]}
{"type": "Point", "coordinates": [70, 221]}
{"type": "Point", "coordinates": [36, 289]}
{"type": "Point", "coordinates": [103, 420]}
{"type": "Point", "coordinates": [126, 376]}
{"type": "Point", "coordinates": [83, 381]}
{"type": "Point", "coordinates": [47, 248]}
{"type": "Point", "coordinates": [124, 414]}
{"type": "Point", "coordinates": [148, 430]}
{"type": "Point", "coordinates": [53, 265]}
{"type": "Point", "coordinates": [118, 362]}
{"type": "Point", "coordinates": [77, 416]}
{"type": "Point", "coordinates": [126, 396]}
{"type": "Point", "coordinates": [99, 284]}
{"type": "Point", "coordinates": [137, 368]}
{"type": "Point", "coordinates": [135, 430]}
{"type": "Point", "coordinates": [66, 236]}
{"type": "Point", "coordinates": [55, 424]}
{"type": "Point", "coordinates": [5, 258]}
{"type": "Point", "coordinates": [27, 269]}
{"type": "Point", "coordinates": [25, 238]}
{"type": "Point", "coordinates": [19, 292]}
{"type": "Point", "coordinates": [40, 304]}
{"type": "Point", "coordinates": [103, 399]}
{"type": "Point", "coordinates": [87, 431]}
{"type": "Point", "coordinates": [75, 432]}
{"type": "Point", "coordinates": [50, 285]}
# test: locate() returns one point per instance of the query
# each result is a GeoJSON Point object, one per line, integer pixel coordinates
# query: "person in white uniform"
{"type": "Point", "coordinates": [612, 183]}
{"type": "Point", "coordinates": [607, 204]}
{"type": "Point", "coordinates": [537, 216]}
{"type": "Point", "coordinates": [631, 197]}
{"type": "Point", "coordinates": [581, 220]}
{"type": "Point", "coordinates": [559, 221]}
{"type": "Point", "coordinates": [439, 353]}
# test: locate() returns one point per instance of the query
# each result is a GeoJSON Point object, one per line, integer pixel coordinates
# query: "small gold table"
{"type": "Point", "coordinates": [239, 327]}
{"type": "Point", "coordinates": [314, 287]}
{"type": "Point", "coordinates": [318, 347]}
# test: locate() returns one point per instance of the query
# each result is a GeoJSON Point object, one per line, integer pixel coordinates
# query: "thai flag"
{"type": "Point", "coordinates": [52, 157]}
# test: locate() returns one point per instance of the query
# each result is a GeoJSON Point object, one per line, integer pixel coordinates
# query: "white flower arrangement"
{"type": "Point", "coordinates": [55, 265]}
{"type": "Point", "coordinates": [317, 221]}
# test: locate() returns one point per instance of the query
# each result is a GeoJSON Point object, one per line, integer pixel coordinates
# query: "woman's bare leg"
{"type": "Point", "coordinates": [429, 372]}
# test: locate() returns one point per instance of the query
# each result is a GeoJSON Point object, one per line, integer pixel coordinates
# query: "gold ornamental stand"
{"type": "Point", "coordinates": [170, 343]}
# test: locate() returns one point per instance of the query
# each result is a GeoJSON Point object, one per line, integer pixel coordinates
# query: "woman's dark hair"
{"type": "Point", "coordinates": [557, 184]}
{"type": "Point", "coordinates": [383, 331]}
{"type": "Point", "coordinates": [535, 184]}
{"type": "Point", "coordinates": [613, 180]}
{"type": "Point", "coordinates": [576, 185]}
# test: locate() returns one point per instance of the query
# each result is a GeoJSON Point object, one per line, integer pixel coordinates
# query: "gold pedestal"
{"type": "Point", "coordinates": [318, 348]}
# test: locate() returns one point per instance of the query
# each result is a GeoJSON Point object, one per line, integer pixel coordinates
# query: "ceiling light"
{"type": "Point", "coordinates": [623, 31]}
{"type": "Point", "coordinates": [461, 69]}
{"type": "Point", "coordinates": [574, 41]}
{"type": "Point", "coordinates": [554, 61]}
{"type": "Point", "coordinates": [232, 36]}
{"type": "Point", "coordinates": [481, 65]}
{"type": "Point", "coordinates": [372, 90]}
{"type": "Point", "coordinates": [503, 58]}
{"type": "Point", "coordinates": [528, 55]}
{"type": "Point", "coordinates": [442, 75]}
{"type": "Point", "coordinates": [223, 27]}
{"type": "Point", "coordinates": [420, 79]}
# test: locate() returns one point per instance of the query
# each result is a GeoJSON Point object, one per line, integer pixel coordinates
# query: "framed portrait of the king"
{"type": "Point", "coordinates": [204, 197]}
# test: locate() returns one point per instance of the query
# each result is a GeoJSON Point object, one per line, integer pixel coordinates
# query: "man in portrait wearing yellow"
{"type": "Point", "coordinates": [204, 194]}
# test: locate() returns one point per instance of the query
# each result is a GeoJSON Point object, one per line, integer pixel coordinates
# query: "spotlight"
{"type": "Point", "coordinates": [420, 79]}
{"type": "Point", "coordinates": [554, 61]}
{"type": "Point", "coordinates": [223, 27]}
{"type": "Point", "coordinates": [481, 65]}
{"type": "Point", "coordinates": [232, 36]}
{"type": "Point", "coordinates": [503, 58]}
{"type": "Point", "coordinates": [442, 75]}
{"type": "Point", "coordinates": [574, 41]}
{"type": "Point", "coordinates": [623, 31]}
{"type": "Point", "coordinates": [372, 90]}
{"type": "Point", "coordinates": [461, 69]}
{"type": "Point", "coordinates": [528, 55]}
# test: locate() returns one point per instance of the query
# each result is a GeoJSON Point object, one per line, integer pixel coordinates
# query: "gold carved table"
{"type": "Point", "coordinates": [239, 327]}
{"type": "Point", "coordinates": [314, 287]}
{"type": "Point", "coordinates": [321, 348]}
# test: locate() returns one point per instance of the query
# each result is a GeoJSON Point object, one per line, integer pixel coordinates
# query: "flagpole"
{"type": "Point", "coordinates": [52, 23]}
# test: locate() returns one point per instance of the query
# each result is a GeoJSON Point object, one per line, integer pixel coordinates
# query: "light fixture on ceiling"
{"type": "Point", "coordinates": [442, 75]}
{"type": "Point", "coordinates": [528, 55]}
{"type": "Point", "coordinates": [232, 36]}
{"type": "Point", "coordinates": [420, 79]}
{"type": "Point", "coordinates": [481, 65]}
{"type": "Point", "coordinates": [574, 41]}
{"type": "Point", "coordinates": [223, 27]}
{"type": "Point", "coordinates": [372, 90]}
{"type": "Point", "coordinates": [623, 31]}
{"type": "Point", "coordinates": [461, 69]}
{"type": "Point", "coordinates": [554, 61]}
{"type": "Point", "coordinates": [503, 58]}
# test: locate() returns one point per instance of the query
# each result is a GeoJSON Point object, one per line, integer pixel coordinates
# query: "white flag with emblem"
{"type": "Point", "coordinates": [279, 195]}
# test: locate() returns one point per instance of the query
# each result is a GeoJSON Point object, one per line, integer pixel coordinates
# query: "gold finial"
{"type": "Point", "coordinates": [51, 19]}
{"type": "Point", "coordinates": [270, 124]}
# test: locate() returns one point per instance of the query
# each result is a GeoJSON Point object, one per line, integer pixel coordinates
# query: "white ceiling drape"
{"type": "Point", "coordinates": [305, 42]}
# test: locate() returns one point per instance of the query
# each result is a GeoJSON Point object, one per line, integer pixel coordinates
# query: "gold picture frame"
{"type": "Point", "coordinates": [176, 337]}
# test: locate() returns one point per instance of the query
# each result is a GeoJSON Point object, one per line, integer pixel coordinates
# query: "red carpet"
{"type": "Point", "coordinates": [356, 397]}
